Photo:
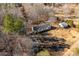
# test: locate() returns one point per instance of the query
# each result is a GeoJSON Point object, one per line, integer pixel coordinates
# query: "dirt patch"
{"type": "Point", "coordinates": [70, 35]}
{"type": "Point", "coordinates": [63, 33]}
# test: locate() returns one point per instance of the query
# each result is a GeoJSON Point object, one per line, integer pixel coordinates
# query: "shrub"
{"type": "Point", "coordinates": [43, 53]}
{"type": "Point", "coordinates": [8, 23]}
{"type": "Point", "coordinates": [69, 22]}
{"type": "Point", "coordinates": [12, 24]}
{"type": "Point", "coordinates": [76, 51]}
{"type": "Point", "coordinates": [77, 26]}
{"type": "Point", "coordinates": [18, 24]}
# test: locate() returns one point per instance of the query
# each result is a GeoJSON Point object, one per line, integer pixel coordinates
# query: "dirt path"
{"type": "Point", "coordinates": [75, 44]}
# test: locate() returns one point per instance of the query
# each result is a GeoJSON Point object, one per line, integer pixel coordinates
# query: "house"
{"type": "Point", "coordinates": [41, 28]}
{"type": "Point", "coordinates": [63, 24]}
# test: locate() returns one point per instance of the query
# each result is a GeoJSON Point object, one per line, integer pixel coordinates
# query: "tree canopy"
{"type": "Point", "coordinates": [12, 24]}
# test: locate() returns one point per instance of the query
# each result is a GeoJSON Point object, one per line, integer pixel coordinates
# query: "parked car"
{"type": "Point", "coordinates": [63, 25]}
